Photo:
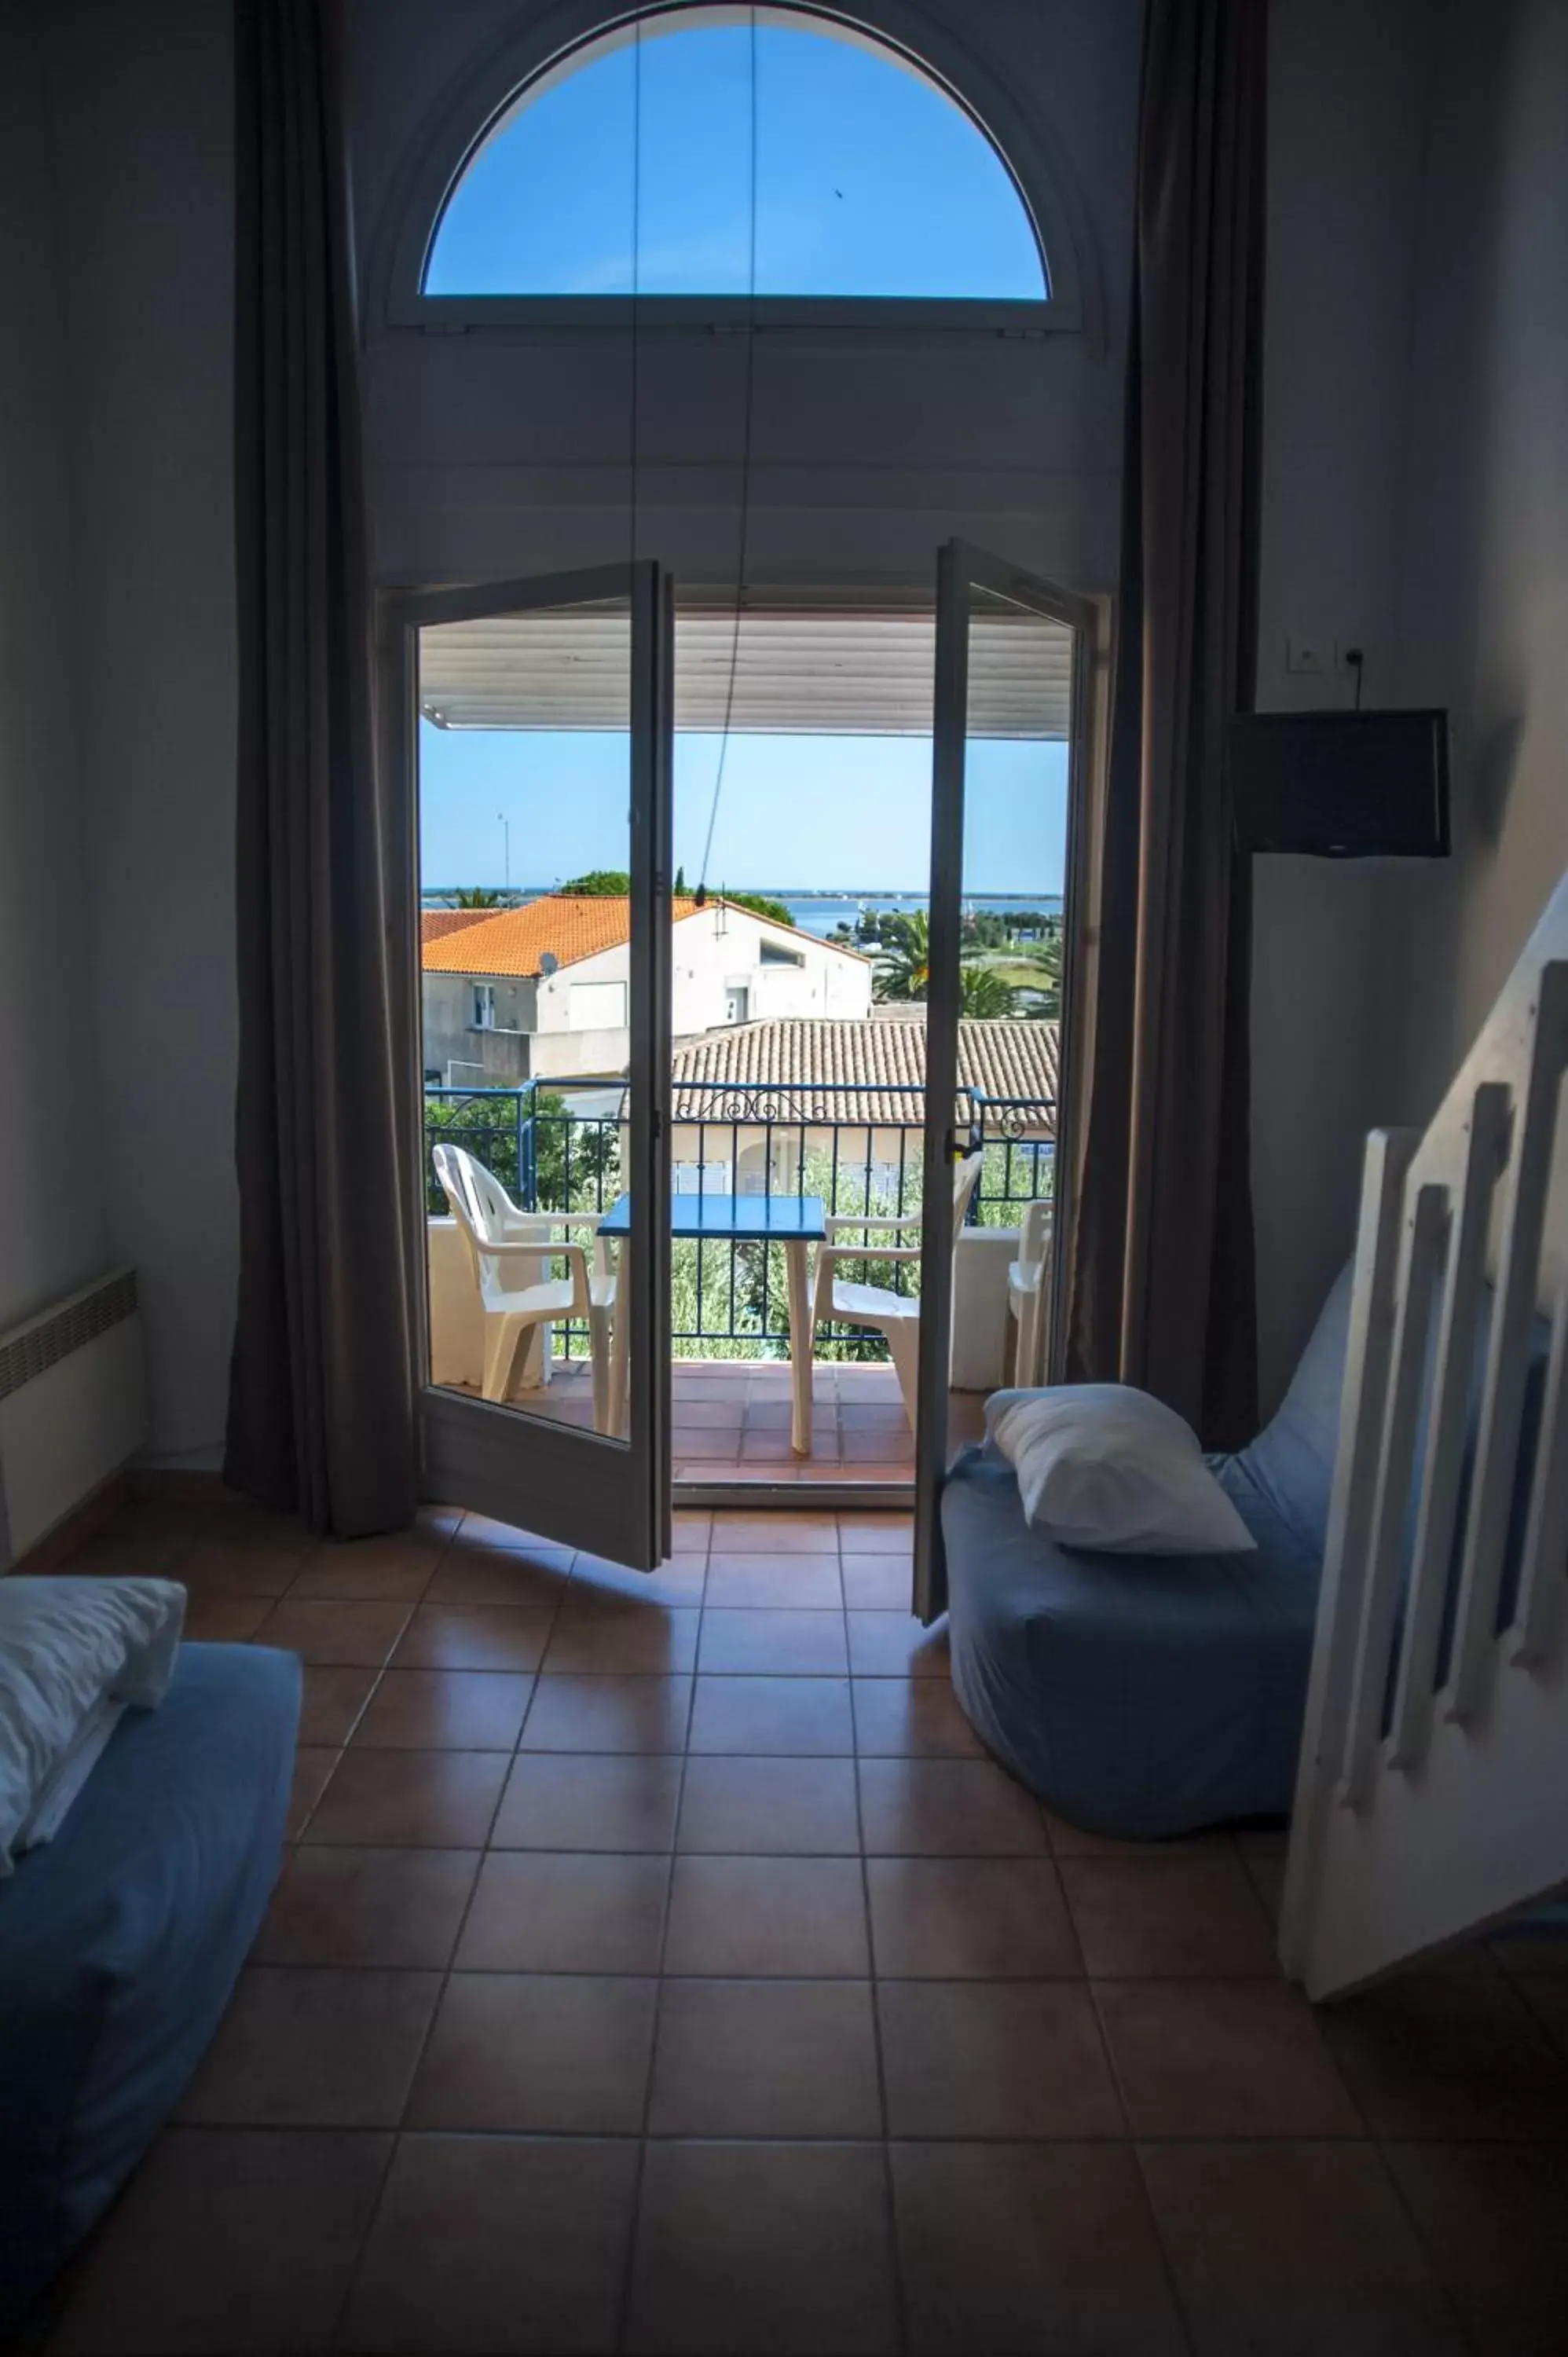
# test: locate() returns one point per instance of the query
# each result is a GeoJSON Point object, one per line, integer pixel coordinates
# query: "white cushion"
{"type": "Point", "coordinates": [1101, 1464]}
{"type": "Point", "coordinates": [68, 1647]}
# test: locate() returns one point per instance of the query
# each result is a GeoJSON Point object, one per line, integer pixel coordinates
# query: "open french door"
{"type": "Point", "coordinates": [533, 717]}
{"type": "Point", "coordinates": [1015, 669]}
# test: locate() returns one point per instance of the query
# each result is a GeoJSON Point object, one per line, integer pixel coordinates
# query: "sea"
{"type": "Point", "coordinates": [824, 912]}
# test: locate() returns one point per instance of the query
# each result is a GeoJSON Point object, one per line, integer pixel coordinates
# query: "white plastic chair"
{"type": "Point", "coordinates": [1030, 1293]}
{"type": "Point", "coordinates": [510, 1252]}
{"type": "Point", "coordinates": [844, 1303]}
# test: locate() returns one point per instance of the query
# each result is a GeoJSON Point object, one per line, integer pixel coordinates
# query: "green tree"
{"type": "Point", "coordinates": [760, 905]}
{"type": "Point", "coordinates": [982, 993]}
{"type": "Point", "coordinates": [1044, 988]}
{"type": "Point", "coordinates": [598, 883]}
{"type": "Point", "coordinates": [476, 895]}
{"type": "Point", "coordinates": [904, 969]}
{"type": "Point", "coordinates": [680, 884]}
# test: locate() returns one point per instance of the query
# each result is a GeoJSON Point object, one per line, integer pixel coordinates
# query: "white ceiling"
{"type": "Point", "coordinates": [817, 673]}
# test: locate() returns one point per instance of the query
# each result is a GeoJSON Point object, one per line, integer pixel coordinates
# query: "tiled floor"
{"type": "Point", "coordinates": [660, 1964]}
{"type": "Point", "coordinates": [730, 1420]}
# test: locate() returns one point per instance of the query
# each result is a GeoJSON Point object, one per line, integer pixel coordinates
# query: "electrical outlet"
{"type": "Point", "coordinates": [1343, 650]}
{"type": "Point", "coordinates": [1306, 655]}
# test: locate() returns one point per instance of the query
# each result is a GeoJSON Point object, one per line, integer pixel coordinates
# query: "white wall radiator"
{"type": "Point", "coordinates": [1432, 1793]}
{"type": "Point", "coordinates": [73, 1408]}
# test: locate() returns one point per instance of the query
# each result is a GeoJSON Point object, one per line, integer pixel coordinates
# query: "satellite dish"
{"type": "Point", "coordinates": [549, 963]}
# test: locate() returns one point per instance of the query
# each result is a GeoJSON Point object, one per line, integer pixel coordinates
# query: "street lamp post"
{"type": "Point", "coordinates": [505, 848]}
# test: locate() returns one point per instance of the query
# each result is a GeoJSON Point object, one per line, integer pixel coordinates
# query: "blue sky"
{"type": "Point", "coordinates": [869, 180]}
{"type": "Point", "coordinates": [820, 811]}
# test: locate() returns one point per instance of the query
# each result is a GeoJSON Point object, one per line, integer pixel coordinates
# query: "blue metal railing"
{"type": "Point", "coordinates": [556, 1145]}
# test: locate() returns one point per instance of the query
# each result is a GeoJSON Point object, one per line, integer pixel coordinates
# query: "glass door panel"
{"type": "Point", "coordinates": [536, 718]}
{"type": "Point", "coordinates": [1012, 662]}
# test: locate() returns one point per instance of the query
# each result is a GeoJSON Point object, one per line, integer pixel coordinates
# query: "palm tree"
{"type": "Point", "coordinates": [476, 896]}
{"type": "Point", "coordinates": [904, 969]}
{"type": "Point", "coordinates": [982, 993]}
{"type": "Point", "coordinates": [1047, 963]}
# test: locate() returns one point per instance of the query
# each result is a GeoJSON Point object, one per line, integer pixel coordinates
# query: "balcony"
{"type": "Point", "coordinates": [562, 1146]}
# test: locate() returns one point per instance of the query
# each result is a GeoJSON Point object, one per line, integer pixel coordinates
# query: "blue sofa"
{"type": "Point", "coordinates": [1147, 1695]}
{"type": "Point", "coordinates": [120, 1940]}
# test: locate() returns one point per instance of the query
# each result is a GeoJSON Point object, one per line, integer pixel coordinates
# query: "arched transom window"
{"type": "Point", "coordinates": [722, 152]}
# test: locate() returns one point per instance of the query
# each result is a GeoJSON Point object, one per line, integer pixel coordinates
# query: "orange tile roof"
{"type": "Point", "coordinates": [436, 923]}
{"type": "Point", "coordinates": [511, 941]}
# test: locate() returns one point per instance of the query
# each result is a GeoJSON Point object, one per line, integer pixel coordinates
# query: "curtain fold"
{"type": "Point", "coordinates": [321, 1411]}
{"type": "Point", "coordinates": [1159, 1265]}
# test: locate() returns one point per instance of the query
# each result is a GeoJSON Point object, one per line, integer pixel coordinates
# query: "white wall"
{"type": "Point", "coordinates": [1484, 553]}
{"type": "Point", "coordinates": [142, 193]}
{"type": "Point", "coordinates": [1346, 144]}
{"type": "Point", "coordinates": [53, 1232]}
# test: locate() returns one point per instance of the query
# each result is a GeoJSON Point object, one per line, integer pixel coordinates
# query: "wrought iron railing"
{"type": "Point", "coordinates": [557, 1145]}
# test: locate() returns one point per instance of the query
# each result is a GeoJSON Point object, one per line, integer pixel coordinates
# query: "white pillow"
{"type": "Point", "coordinates": [68, 1646]}
{"type": "Point", "coordinates": [1101, 1464]}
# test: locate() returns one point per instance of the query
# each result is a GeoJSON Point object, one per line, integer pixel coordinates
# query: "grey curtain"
{"type": "Point", "coordinates": [1159, 1264]}
{"type": "Point", "coordinates": [321, 1418]}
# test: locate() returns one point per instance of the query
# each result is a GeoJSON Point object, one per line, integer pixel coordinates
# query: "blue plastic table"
{"type": "Point", "coordinates": [795, 1221]}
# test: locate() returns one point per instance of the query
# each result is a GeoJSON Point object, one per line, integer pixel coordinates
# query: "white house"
{"type": "Point", "coordinates": [540, 991]}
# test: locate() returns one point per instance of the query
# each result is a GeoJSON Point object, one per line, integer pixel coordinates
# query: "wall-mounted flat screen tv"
{"type": "Point", "coordinates": [1344, 785]}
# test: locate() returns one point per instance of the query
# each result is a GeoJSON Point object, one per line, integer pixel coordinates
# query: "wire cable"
{"type": "Point", "coordinates": [701, 892]}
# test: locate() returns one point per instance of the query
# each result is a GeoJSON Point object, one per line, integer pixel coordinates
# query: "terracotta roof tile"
{"type": "Point", "coordinates": [434, 925]}
{"type": "Point", "coordinates": [797, 1066]}
{"type": "Point", "coordinates": [511, 941]}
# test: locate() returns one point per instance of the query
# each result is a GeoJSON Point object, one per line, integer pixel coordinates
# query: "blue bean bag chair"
{"type": "Point", "coordinates": [1147, 1695]}
{"type": "Point", "coordinates": [120, 1940]}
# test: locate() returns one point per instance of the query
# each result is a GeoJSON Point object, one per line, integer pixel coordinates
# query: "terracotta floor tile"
{"type": "Point", "coordinates": [772, 1643]}
{"type": "Point", "coordinates": [187, 2260]}
{"type": "Point", "coordinates": [218, 1619]}
{"type": "Point", "coordinates": [983, 2058]}
{"type": "Point", "coordinates": [1145, 1918]}
{"type": "Point", "coordinates": [618, 1634]}
{"type": "Point", "coordinates": [1223, 2059]}
{"type": "Point", "coordinates": [691, 1530]}
{"type": "Point", "coordinates": [783, 1917]}
{"type": "Point", "coordinates": [681, 1581]}
{"type": "Point", "coordinates": [335, 1634]}
{"type": "Point", "coordinates": [476, 1637]}
{"type": "Point", "coordinates": [775, 1534]}
{"type": "Point", "coordinates": [757, 1715]}
{"type": "Point", "coordinates": [804, 1582]}
{"type": "Point", "coordinates": [1449, 2056]}
{"type": "Point", "coordinates": [894, 1645]}
{"type": "Point", "coordinates": [370, 1907]}
{"type": "Point", "coordinates": [332, 1701]}
{"type": "Point", "coordinates": [585, 1800]}
{"type": "Point", "coordinates": [876, 1583]}
{"type": "Point", "coordinates": [911, 1719]}
{"type": "Point", "coordinates": [457, 1710]}
{"type": "Point", "coordinates": [488, 2244]}
{"type": "Point", "coordinates": [221, 1564]}
{"type": "Point", "coordinates": [607, 1714]}
{"type": "Point", "coordinates": [552, 2053]}
{"type": "Point", "coordinates": [1029, 2251]}
{"type": "Point", "coordinates": [314, 2048]}
{"type": "Point", "coordinates": [1077, 1841]}
{"type": "Point", "coordinates": [970, 1918]}
{"type": "Point", "coordinates": [489, 1575]}
{"type": "Point", "coordinates": [313, 1764]}
{"type": "Point", "coordinates": [482, 1530]}
{"type": "Point", "coordinates": [805, 1806]}
{"type": "Point", "coordinates": [765, 2058]}
{"type": "Point", "coordinates": [565, 1911]}
{"type": "Point", "coordinates": [875, 1533]}
{"type": "Point", "coordinates": [758, 2250]}
{"type": "Point", "coordinates": [967, 1808]}
{"type": "Point", "coordinates": [413, 1800]}
{"type": "Point", "coordinates": [396, 1567]}
{"type": "Point", "coordinates": [1491, 2218]}
{"type": "Point", "coordinates": [1303, 2246]}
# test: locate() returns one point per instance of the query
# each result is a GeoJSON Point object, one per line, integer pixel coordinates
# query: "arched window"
{"type": "Point", "coordinates": [699, 152]}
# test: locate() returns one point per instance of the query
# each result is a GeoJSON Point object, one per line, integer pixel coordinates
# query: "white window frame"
{"type": "Point", "coordinates": [484, 1007]}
